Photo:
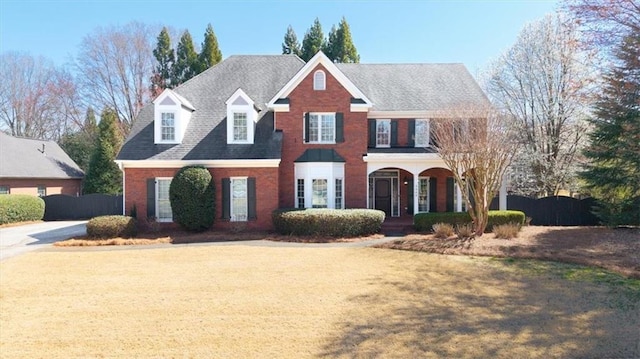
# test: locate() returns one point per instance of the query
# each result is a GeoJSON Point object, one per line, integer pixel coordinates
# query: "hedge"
{"type": "Point", "coordinates": [328, 222]}
{"type": "Point", "coordinates": [423, 222]}
{"type": "Point", "coordinates": [112, 227]}
{"type": "Point", "coordinates": [193, 194]}
{"type": "Point", "coordinates": [20, 208]}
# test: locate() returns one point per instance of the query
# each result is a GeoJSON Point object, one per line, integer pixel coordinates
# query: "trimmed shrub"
{"type": "Point", "coordinates": [20, 208]}
{"type": "Point", "coordinates": [442, 230]}
{"type": "Point", "coordinates": [112, 227]}
{"type": "Point", "coordinates": [497, 218]}
{"type": "Point", "coordinates": [327, 222]}
{"type": "Point", "coordinates": [193, 194]}
{"type": "Point", "coordinates": [506, 231]}
{"type": "Point", "coordinates": [423, 222]}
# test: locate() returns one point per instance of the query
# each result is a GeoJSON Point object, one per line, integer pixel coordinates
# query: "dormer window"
{"type": "Point", "coordinates": [168, 126]}
{"type": "Point", "coordinates": [241, 118]}
{"type": "Point", "coordinates": [172, 114]}
{"type": "Point", "coordinates": [319, 81]}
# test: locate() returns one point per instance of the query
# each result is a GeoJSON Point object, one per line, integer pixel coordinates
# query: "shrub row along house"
{"type": "Point", "coordinates": [276, 132]}
{"type": "Point", "coordinates": [37, 167]}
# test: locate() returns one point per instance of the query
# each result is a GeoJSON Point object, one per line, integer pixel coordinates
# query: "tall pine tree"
{"type": "Point", "coordinates": [613, 174]}
{"type": "Point", "coordinates": [210, 53]}
{"type": "Point", "coordinates": [186, 65]}
{"type": "Point", "coordinates": [330, 47]}
{"type": "Point", "coordinates": [103, 175]}
{"type": "Point", "coordinates": [291, 44]}
{"type": "Point", "coordinates": [313, 41]}
{"type": "Point", "coordinates": [165, 56]}
{"type": "Point", "coordinates": [342, 48]}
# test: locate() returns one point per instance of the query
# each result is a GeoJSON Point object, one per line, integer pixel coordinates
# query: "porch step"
{"type": "Point", "coordinates": [396, 229]}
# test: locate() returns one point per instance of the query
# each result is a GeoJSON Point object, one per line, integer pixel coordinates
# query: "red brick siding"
{"type": "Point", "coordinates": [71, 187]}
{"type": "Point", "coordinates": [334, 99]}
{"type": "Point", "coordinates": [266, 191]}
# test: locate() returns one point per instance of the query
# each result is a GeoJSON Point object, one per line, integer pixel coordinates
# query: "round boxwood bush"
{"type": "Point", "coordinates": [328, 222]}
{"type": "Point", "coordinates": [20, 208]}
{"type": "Point", "coordinates": [192, 195]}
{"type": "Point", "coordinates": [112, 227]}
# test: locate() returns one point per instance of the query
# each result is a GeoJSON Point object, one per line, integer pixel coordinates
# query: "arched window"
{"type": "Point", "coordinates": [319, 82]}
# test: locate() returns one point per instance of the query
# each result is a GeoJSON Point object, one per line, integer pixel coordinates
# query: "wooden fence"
{"type": "Point", "coordinates": [553, 211]}
{"type": "Point", "coordinates": [62, 207]}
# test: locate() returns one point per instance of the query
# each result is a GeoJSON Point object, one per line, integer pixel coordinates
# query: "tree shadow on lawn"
{"type": "Point", "coordinates": [499, 311]}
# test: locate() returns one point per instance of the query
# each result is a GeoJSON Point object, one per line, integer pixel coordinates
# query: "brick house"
{"type": "Point", "coordinates": [37, 167]}
{"type": "Point", "coordinates": [277, 132]}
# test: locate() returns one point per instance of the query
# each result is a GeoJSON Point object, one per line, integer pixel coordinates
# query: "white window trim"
{"type": "Point", "coordinates": [316, 83]}
{"type": "Point", "coordinates": [320, 114]}
{"type": "Point", "coordinates": [231, 206]}
{"type": "Point", "coordinates": [415, 132]}
{"type": "Point", "coordinates": [175, 129]}
{"type": "Point", "coordinates": [233, 125]}
{"type": "Point", "coordinates": [330, 171]}
{"type": "Point", "coordinates": [383, 120]}
{"type": "Point", "coordinates": [157, 204]}
{"type": "Point", "coordinates": [252, 117]}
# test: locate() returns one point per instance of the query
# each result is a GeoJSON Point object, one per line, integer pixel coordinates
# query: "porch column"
{"type": "Point", "coordinates": [458, 198]}
{"type": "Point", "coordinates": [503, 194]}
{"type": "Point", "coordinates": [416, 188]}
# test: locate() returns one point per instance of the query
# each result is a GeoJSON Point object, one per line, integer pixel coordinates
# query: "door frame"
{"type": "Point", "coordinates": [396, 198]}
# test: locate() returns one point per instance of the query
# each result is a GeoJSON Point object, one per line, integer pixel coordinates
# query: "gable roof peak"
{"type": "Point", "coordinates": [175, 96]}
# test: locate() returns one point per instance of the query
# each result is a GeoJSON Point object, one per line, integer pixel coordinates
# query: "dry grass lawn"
{"type": "Point", "coordinates": [245, 301]}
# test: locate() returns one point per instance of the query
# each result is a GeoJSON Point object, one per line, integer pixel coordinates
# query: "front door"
{"type": "Point", "coordinates": [383, 195]}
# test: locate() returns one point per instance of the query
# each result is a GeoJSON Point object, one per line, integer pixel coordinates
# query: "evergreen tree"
{"type": "Point", "coordinates": [186, 65]}
{"type": "Point", "coordinates": [343, 49]}
{"type": "Point", "coordinates": [210, 53]}
{"type": "Point", "coordinates": [291, 44]}
{"type": "Point", "coordinates": [330, 47]}
{"type": "Point", "coordinates": [79, 145]}
{"type": "Point", "coordinates": [613, 174]}
{"type": "Point", "coordinates": [313, 41]}
{"type": "Point", "coordinates": [103, 175]}
{"type": "Point", "coordinates": [165, 56]}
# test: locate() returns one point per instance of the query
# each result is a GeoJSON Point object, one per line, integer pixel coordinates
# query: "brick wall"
{"type": "Point", "coordinates": [266, 192]}
{"type": "Point", "coordinates": [334, 99]}
{"type": "Point", "coordinates": [71, 187]}
{"type": "Point", "coordinates": [440, 174]}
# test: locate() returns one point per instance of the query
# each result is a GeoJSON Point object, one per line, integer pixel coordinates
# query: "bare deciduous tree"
{"type": "Point", "coordinates": [477, 146]}
{"type": "Point", "coordinates": [37, 99]}
{"type": "Point", "coordinates": [543, 83]}
{"type": "Point", "coordinates": [115, 65]}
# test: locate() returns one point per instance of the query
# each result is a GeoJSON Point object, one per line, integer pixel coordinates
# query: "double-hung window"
{"type": "Point", "coordinates": [42, 190]}
{"type": "Point", "coordinates": [383, 133]}
{"type": "Point", "coordinates": [239, 200]}
{"type": "Point", "coordinates": [240, 126]}
{"type": "Point", "coordinates": [338, 196]}
{"type": "Point", "coordinates": [322, 127]}
{"type": "Point", "coordinates": [4, 189]}
{"type": "Point", "coordinates": [163, 204]}
{"type": "Point", "coordinates": [300, 193]}
{"type": "Point", "coordinates": [422, 133]}
{"type": "Point", "coordinates": [168, 126]}
{"type": "Point", "coordinates": [319, 199]}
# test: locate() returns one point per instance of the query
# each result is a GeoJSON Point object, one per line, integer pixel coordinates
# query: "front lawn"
{"type": "Point", "coordinates": [252, 301]}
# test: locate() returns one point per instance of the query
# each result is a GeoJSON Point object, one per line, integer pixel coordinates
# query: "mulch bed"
{"type": "Point", "coordinates": [613, 249]}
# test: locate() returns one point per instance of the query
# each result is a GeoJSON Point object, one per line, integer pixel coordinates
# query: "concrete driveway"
{"type": "Point", "coordinates": [21, 239]}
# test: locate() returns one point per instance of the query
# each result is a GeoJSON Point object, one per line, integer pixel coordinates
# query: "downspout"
{"type": "Point", "coordinates": [124, 192]}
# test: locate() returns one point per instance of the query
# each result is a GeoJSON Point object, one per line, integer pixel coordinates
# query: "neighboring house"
{"type": "Point", "coordinates": [277, 132]}
{"type": "Point", "coordinates": [37, 167]}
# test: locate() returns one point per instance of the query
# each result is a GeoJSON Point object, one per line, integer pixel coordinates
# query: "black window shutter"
{"type": "Point", "coordinates": [151, 197]}
{"type": "Point", "coordinates": [306, 127]}
{"type": "Point", "coordinates": [372, 133]}
{"type": "Point", "coordinates": [433, 194]}
{"type": "Point", "coordinates": [339, 127]}
{"type": "Point", "coordinates": [394, 133]}
{"type": "Point", "coordinates": [412, 133]}
{"type": "Point", "coordinates": [226, 198]}
{"type": "Point", "coordinates": [251, 196]}
{"type": "Point", "coordinates": [450, 194]}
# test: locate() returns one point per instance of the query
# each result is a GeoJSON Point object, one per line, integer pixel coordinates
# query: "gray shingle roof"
{"type": "Point", "coordinates": [260, 77]}
{"type": "Point", "coordinates": [415, 87]}
{"type": "Point", "coordinates": [25, 158]}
